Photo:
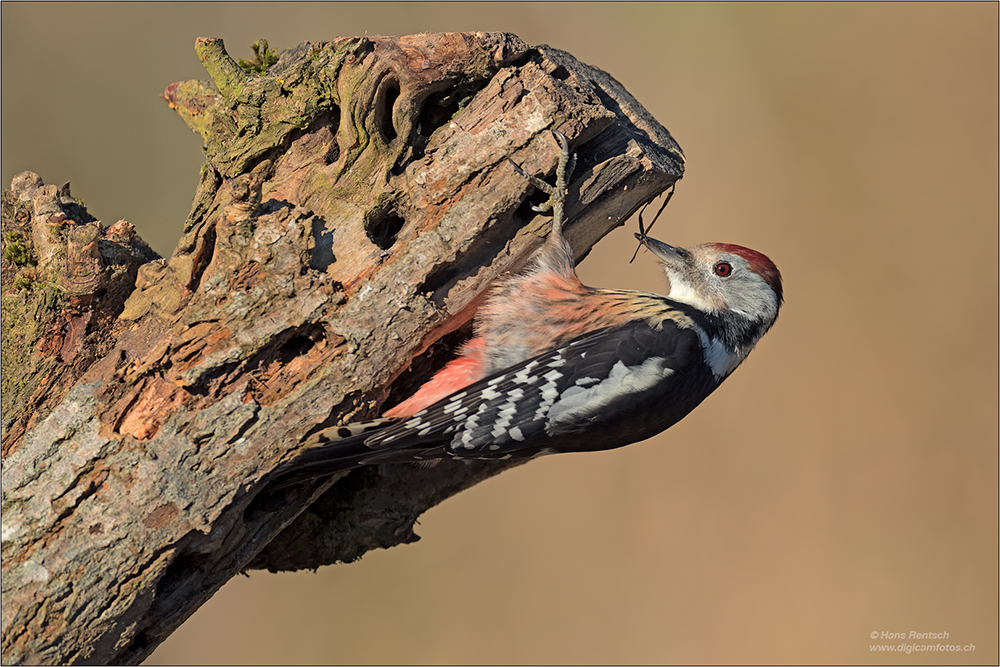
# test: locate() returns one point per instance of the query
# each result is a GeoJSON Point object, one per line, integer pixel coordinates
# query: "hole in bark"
{"type": "Point", "coordinates": [293, 343]}
{"type": "Point", "coordinates": [274, 370]}
{"type": "Point", "coordinates": [383, 110]}
{"type": "Point", "coordinates": [383, 228]}
{"type": "Point", "coordinates": [279, 367]}
{"type": "Point", "coordinates": [560, 73]}
{"type": "Point", "coordinates": [442, 106]}
{"type": "Point", "coordinates": [438, 110]}
{"type": "Point", "coordinates": [295, 346]}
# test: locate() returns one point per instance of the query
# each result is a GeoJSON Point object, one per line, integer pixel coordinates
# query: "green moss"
{"type": "Point", "coordinates": [263, 58]}
{"type": "Point", "coordinates": [26, 313]}
{"type": "Point", "coordinates": [17, 250]}
{"type": "Point", "coordinates": [256, 113]}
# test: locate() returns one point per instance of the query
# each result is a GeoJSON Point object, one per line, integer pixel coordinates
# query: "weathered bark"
{"type": "Point", "coordinates": [356, 203]}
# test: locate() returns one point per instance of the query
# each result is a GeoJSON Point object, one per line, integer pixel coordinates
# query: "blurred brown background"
{"type": "Point", "coordinates": [842, 483]}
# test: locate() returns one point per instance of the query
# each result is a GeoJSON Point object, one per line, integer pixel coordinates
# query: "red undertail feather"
{"type": "Point", "coordinates": [469, 367]}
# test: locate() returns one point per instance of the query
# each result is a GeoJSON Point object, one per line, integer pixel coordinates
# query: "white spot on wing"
{"type": "Point", "coordinates": [470, 425]}
{"type": "Point", "coordinates": [524, 376]}
{"type": "Point", "coordinates": [550, 393]}
{"type": "Point", "coordinates": [577, 403]}
{"type": "Point", "coordinates": [509, 411]}
{"type": "Point", "coordinates": [506, 413]}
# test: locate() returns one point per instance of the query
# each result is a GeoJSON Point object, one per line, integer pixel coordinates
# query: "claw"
{"type": "Point", "coordinates": [557, 193]}
{"type": "Point", "coordinates": [563, 141]}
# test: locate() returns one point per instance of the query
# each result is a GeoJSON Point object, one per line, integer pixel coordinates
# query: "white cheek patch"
{"type": "Point", "coordinates": [577, 403]}
{"type": "Point", "coordinates": [681, 290]}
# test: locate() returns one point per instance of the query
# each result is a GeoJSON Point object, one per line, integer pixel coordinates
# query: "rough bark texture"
{"type": "Point", "coordinates": [356, 203]}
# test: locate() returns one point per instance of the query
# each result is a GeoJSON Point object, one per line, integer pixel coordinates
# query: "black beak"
{"type": "Point", "coordinates": [664, 251]}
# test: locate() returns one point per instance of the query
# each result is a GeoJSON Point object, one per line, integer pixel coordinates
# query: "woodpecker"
{"type": "Point", "coordinates": [556, 366]}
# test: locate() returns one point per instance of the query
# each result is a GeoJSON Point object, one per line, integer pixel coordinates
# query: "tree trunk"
{"type": "Point", "coordinates": [357, 201]}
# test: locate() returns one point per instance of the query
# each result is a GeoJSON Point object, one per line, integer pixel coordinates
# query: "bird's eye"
{"type": "Point", "coordinates": [723, 269]}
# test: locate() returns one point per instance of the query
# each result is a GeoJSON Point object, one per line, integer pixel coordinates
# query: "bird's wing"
{"type": "Point", "coordinates": [608, 375]}
{"type": "Point", "coordinates": [594, 378]}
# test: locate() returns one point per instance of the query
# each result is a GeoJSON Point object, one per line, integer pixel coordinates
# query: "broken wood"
{"type": "Point", "coordinates": [357, 201]}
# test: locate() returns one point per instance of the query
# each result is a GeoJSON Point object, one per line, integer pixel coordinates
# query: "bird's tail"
{"type": "Point", "coordinates": [330, 451]}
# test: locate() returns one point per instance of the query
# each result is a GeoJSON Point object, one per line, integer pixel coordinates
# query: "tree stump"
{"type": "Point", "coordinates": [356, 203]}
